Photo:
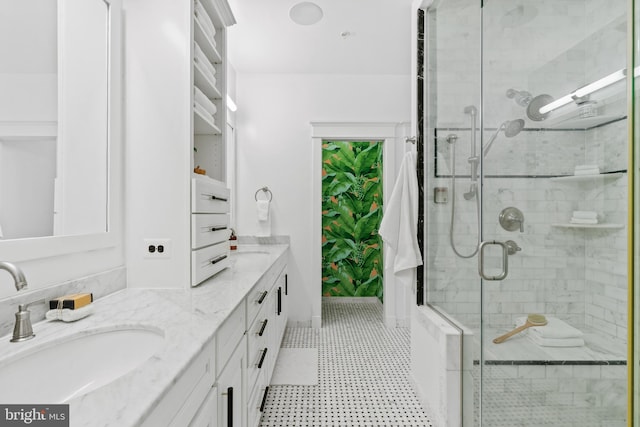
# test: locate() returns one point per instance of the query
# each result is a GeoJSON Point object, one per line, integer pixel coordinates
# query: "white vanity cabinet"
{"type": "Point", "coordinates": [227, 383]}
{"type": "Point", "coordinates": [264, 336]}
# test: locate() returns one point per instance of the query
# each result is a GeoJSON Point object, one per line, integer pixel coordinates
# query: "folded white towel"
{"type": "Point", "coordinates": [580, 167]}
{"type": "Point", "coordinates": [585, 214]}
{"type": "Point", "coordinates": [203, 112]}
{"type": "Point", "coordinates": [262, 207]}
{"type": "Point", "coordinates": [205, 102]}
{"type": "Point", "coordinates": [556, 342]}
{"type": "Point", "coordinates": [554, 329]}
{"type": "Point", "coordinates": [68, 315]}
{"type": "Point", "coordinates": [203, 17]}
{"type": "Point", "coordinates": [583, 221]}
{"type": "Point", "coordinates": [200, 57]}
{"type": "Point", "coordinates": [587, 172]}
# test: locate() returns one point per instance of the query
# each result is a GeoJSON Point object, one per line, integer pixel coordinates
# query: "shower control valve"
{"type": "Point", "coordinates": [512, 219]}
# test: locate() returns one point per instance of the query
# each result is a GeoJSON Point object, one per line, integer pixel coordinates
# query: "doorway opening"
{"type": "Point", "coordinates": [352, 199]}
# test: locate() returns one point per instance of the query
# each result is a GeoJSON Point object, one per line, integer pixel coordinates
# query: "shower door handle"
{"type": "Point", "coordinates": [505, 260]}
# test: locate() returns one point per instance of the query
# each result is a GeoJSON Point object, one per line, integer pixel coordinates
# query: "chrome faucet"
{"type": "Point", "coordinates": [22, 330]}
{"type": "Point", "coordinates": [18, 275]}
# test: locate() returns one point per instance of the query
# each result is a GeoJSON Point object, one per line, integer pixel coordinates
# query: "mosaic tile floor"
{"type": "Point", "coordinates": [364, 371]}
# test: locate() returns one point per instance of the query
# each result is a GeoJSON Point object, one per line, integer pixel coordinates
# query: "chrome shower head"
{"type": "Point", "coordinates": [511, 128]}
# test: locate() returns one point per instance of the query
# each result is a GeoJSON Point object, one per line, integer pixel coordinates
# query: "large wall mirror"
{"type": "Point", "coordinates": [57, 116]}
{"type": "Point", "coordinates": [54, 114]}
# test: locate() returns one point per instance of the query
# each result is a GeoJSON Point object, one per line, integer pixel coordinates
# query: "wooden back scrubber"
{"type": "Point", "coordinates": [532, 320]}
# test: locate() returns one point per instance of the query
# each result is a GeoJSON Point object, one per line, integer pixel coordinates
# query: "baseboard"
{"type": "Point", "coordinates": [351, 300]}
{"type": "Point", "coordinates": [298, 323]}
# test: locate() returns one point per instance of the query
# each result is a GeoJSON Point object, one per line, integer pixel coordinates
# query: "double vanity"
{"type": "Point", "coordinates": [154, 357]}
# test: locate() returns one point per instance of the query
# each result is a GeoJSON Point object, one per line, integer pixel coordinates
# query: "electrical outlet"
{"type": "Point", "coordinates": [157, 248]}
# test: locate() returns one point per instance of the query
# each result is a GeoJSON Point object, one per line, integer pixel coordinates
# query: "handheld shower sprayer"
{"type": "Point", "coordinates": [511, 128]}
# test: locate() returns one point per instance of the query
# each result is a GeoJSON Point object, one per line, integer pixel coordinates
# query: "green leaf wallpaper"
{"type": "Point", "coordinates": [351, 215]}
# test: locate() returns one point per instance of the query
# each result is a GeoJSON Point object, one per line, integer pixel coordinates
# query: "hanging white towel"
{"type": "Point", "coordinates": [262, 207]}
{"type": "Point", "coordinates": [399, 226]}
{"type": "Point", "coordinates": [264, 218]}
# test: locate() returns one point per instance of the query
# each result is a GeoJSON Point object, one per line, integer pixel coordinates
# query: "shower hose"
{"type": "Point", "coordinates": [453, 207]}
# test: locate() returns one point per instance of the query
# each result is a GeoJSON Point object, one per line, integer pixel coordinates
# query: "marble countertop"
{"type": "Point", "coordinates": [187, 318]}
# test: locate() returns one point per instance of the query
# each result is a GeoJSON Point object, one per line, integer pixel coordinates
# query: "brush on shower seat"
{"type": "Point", "coordinates": [532, 320]}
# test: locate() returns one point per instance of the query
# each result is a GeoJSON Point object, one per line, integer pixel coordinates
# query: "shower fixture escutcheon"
{"type": "Point", "coordinates": [512, 219]}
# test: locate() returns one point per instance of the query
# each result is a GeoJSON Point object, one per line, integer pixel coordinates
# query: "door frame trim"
{"type": "Point", "coordinates": [392, 134]}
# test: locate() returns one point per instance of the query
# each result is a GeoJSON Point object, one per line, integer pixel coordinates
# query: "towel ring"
{"type": "Point", "coordinates": [266, 190]}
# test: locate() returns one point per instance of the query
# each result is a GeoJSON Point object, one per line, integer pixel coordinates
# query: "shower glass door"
{"type": "Point", "coordinates": [526, 157]}
{"type": "Point", "coordinates": [553, 193]}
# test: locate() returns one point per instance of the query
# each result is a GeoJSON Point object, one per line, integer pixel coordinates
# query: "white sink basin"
{"type": "Point", "coordinates": [59, 371]}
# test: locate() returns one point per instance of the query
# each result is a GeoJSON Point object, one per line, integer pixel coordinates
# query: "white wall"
{"type": "Point", "coordinates": [274, 149]}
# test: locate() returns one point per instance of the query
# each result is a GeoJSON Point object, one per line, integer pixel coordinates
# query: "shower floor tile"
{"type": "Point", "coordinates": [364, 374]}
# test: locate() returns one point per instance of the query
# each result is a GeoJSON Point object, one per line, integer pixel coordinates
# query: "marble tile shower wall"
{"type": "Point", "coordinates": [606, 252]}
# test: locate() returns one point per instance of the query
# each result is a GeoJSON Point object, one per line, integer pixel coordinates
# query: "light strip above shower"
{"type": "Point", "coordinates": [585, 90]}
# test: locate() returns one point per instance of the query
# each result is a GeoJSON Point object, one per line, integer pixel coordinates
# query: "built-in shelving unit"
{"type": "Point", "coordinates": [177, 122]}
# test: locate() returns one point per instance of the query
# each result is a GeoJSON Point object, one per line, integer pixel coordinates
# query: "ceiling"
{"type": "Point", "coordinates": [354, 37]}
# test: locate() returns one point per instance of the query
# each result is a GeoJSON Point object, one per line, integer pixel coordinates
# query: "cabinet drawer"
{"type": "Point", "coordinates": [209, 197]}
{"type": "Point", "coordinates": [258, 352]}
{"type": "Point", "coordinates": [228, 336]}
{"type": "Point", "coordinates": [208, 261]}
{"type": "Point", "coordinates": [255, 403]}
{"type": "Point", "coordinates": [208, 229]}
{"type": "Point", "coordinates": [257, 299]}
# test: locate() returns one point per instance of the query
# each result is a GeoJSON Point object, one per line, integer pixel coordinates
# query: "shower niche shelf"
{"type": "Point", "coordinates": [611, 226]}
{"type": "Point", "coordinates": [587, 178]}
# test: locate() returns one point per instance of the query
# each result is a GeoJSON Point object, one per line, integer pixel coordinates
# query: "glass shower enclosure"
{"type": "Point", "coordinates": [526, 186]}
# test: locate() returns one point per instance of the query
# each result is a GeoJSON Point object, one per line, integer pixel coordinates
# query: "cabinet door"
{"type": "Point", "coordinates": [282, 293]}
{"type": "Point", "coordinates": [231, 405]}
{"type": "Point", "coordinates": [207, 415]}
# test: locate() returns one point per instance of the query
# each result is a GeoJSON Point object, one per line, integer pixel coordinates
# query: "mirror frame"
{"type": "Point", "coordinates": [52, 246]}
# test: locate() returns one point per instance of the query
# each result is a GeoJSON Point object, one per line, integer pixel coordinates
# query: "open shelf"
{"type": "Point", "coordinates": [612, 226]}
{"type": "Point", "coordinates": [205, 43]}
{"type": "Point", "coordinates": [204, 84]}
{"type": "Point", "coordinates": [587, 178]}
{"type": "Point", "coordinates": [572, 121]}
{"type": "Point", "coordinates": [204, 125]}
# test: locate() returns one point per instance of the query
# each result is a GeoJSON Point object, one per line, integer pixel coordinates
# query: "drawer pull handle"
{"type": "Point", "coordinates": [264, 399]}
{"type": "Point", "coordinates": [264, 354]}
{"type": "Point", "coordinates": [217, 260]}
{"type": "Point", "coordinates": [218, 228]}
{"type": "Point", "coordinates": [279, 301]}
{"type": "Point", "coordinates": [286, 284]}
{"type": "Point", "coordinates": [222, 199]}
{"type": "Point", "coordinates": [230, 407]}
{"type": "Point", "coordinates": [263, 295]}
{"type": "Point", "coordinates": [264, 325]}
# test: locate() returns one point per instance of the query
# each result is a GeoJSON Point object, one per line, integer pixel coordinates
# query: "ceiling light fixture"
{"type": "Point", "coordinates": [306, 13]}
{"type": "Point", "coordinates": [585, 91]}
